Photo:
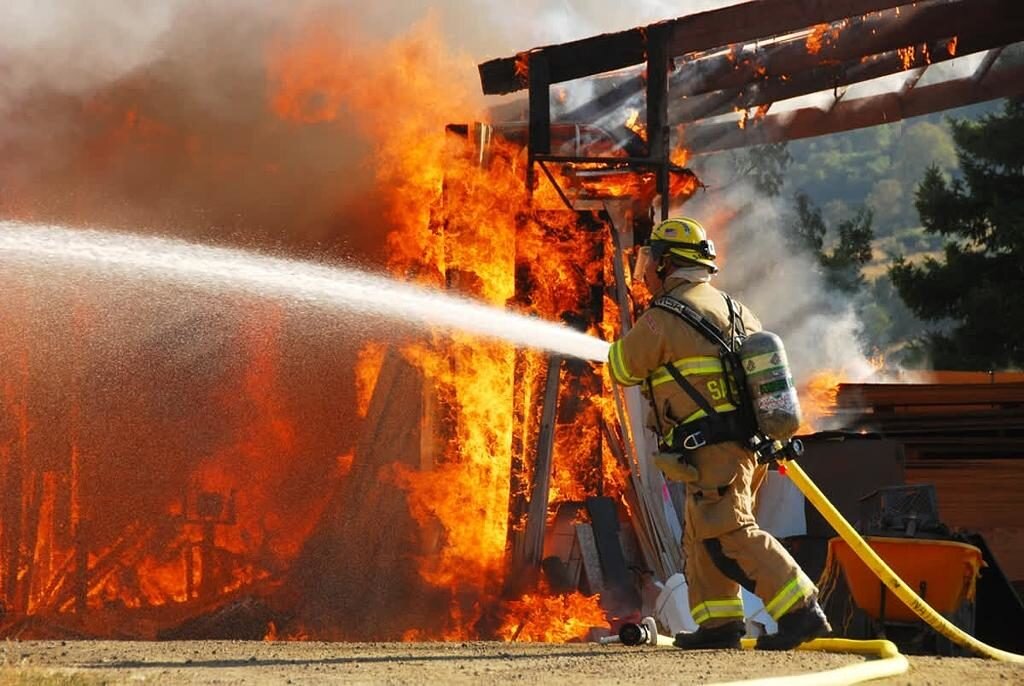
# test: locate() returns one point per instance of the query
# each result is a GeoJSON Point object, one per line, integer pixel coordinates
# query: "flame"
{"type": "Point", "coordinates": [552, 619]}
{"type": "Point", "coordinates": [679, 156]}
{"type": "Point", "coordinates": [479, 233]}
{"type": "Point", "coordinates": [822, 35]}
{"type": "Point", "coordinates": [634, 124]}
{"type": "Point", "coordinates": [907, 56]}
{"type": "Point", "coordinates": [345, 464]}
{"type": "Point", "coordinates": [951, 46]}
{"type": "Point", "coordinates": [224, 526]}
{"type": "Point", "coordinates": [818, 398]}
{"type": "Point", "coordinates": [522, 68]}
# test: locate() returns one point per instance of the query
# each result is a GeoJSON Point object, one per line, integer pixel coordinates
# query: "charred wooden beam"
{"type": "Point", "coordinates": [891, 395]}
{"type": "Point", "coordinates": [540, 112]}
{"type": "Point", "coordinates": [527, 556]}
{"type": "Point", "coordinates": [692, 33]}
{"type": "Point", "coordinates": [612, 95]}
{"type": "Point", "coordinates": [846, 41]}
{"type": "Point", "coordinates": [972, 38]}
{"type": "Point", "coordinates": [658, 137]}
{"type": "Point", "coordinates": [1000, 82]}
{"type": "Point", "coordinates": [710, 84]}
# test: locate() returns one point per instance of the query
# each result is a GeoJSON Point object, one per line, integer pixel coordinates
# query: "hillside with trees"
{"type": "Point", "coordinates": [869, 207]}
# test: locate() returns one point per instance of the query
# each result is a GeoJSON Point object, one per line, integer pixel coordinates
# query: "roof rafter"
{"type": "Point", "coordinates": [692, 33]}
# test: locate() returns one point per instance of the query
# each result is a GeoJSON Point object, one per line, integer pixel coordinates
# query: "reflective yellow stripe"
{"type": "Point", "coordinates": [618, 366]}
{"type": "Point", "coordinates": [688, 366]}
{"type": "Point", "coordinates": [731, 608]}
{"type": "Point", "coordinates": [797, 589]}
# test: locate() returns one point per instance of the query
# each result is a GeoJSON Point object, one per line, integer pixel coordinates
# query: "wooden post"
{"type": "Point", "coordinates": [526, 559]}
{"type": "Point", "coordinates": [657, 108]}
{"type": "Point", "coordinates": [540, 114]}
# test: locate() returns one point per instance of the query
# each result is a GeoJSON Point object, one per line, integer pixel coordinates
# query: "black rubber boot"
{"type": "Point", "coordinates": [720, 637]}
{"type": "Point", "coordinates": [796, 627]}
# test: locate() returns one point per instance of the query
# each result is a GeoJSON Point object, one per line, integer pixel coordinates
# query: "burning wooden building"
{"type": "Point", "coordinates": [491, 493]}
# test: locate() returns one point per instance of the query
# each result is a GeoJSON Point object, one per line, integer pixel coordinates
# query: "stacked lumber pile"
{"type": "Point", "coordinates": [965, 436]}
{"type": "Point", "coordinates": [979, 420]}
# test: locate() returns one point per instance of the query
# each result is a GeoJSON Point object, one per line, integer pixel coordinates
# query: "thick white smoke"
{"type": "Point", "coordinates": [73, 47]}
{"type": "Point", "coordinates": [782, 286]}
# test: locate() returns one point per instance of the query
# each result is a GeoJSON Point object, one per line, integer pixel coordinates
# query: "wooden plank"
{"type": "Point", "coordinates": [589, 558]}
{"type": "Point", "coordinates": [693, 33]}
{"type": "Point", "coordinates": [981, 495]}
{"type": "Point", "coordinates": [540, 112]}
{"type": "Point", "coordinates": [650, 555]}
{"type": "Point", "coordinates": [658, 138]}
{"type": "Point", "coordinates": [721, 84]}
{"type": "Point", "coordinates": [537, 515]}
{"type": "Point", "coordinates": [893, 395]}
{"type": "Point", "coordinates": [1001, 82]}
{"type": "Point", "coordinates": [757, 91]}
{"type": "Point", "coordinates": [853, 41]}
{"type": "Point", "coordinates": [604, 519]}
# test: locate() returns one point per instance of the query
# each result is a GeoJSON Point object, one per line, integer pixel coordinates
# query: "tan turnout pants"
{"type": "Point", "coordinates": [724, 548]}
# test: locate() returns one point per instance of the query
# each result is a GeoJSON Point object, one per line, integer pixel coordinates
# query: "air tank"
{"type": "Point", "coordinates": [773, 396]}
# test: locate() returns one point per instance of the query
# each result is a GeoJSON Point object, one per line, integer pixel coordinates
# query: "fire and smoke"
{"type": "Point", "coordinates": [785, 289]}
{"type": "Point", "coordinates": [157, 449]}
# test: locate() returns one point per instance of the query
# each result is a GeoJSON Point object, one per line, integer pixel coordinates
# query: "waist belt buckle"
{"type": "Point", "coordinates": [695, 440]}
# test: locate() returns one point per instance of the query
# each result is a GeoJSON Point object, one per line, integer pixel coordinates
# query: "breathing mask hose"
{"type": "Point", "coordinates": [885, 573]}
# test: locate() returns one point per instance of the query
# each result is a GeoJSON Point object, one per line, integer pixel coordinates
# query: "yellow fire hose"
{"type": "Point", "coordinates": [889, 662]}
{"type": "Point", "coordinates": [877, 565]}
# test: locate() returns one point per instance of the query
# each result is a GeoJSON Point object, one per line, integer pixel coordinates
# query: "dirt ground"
{"type": "Point", "coordinates": [237, 662]}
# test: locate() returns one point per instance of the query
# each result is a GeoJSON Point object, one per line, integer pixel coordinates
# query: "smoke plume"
{"type": "Point", "coordinates": [782, 286]}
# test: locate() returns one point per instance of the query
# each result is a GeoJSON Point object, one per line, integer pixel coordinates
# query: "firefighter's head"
{"type": "Point", "coordinates": [674, 243]}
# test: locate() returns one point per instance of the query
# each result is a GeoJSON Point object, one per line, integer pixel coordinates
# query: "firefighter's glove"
{"type": "Point", "coordinates": [675, 468]}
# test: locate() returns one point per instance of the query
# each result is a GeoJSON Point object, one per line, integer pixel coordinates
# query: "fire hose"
{"type": "Point", "coordinates": [889, 662]}
{"type": "Point", "coordinates": [885, 573]}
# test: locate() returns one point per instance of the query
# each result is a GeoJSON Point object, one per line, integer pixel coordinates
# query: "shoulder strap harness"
{"type": "Point", "coordinates": [714, 427]}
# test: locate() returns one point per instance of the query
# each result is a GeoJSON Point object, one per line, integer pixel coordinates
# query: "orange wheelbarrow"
{"type": "Point", "coordinates": [944, 574]}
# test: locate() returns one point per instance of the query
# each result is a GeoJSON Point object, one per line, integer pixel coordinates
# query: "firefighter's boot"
{"type": "Point", "coordinates": [724, 636]}
{"type": "Point", "coordinates": [796, 627]}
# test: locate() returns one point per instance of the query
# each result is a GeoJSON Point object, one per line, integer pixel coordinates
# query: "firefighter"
{"type": "Point", "coordinates": [704, 444]}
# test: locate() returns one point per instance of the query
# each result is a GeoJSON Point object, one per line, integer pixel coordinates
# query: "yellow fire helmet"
{"type": "Point", "coordinates": [685, 239]}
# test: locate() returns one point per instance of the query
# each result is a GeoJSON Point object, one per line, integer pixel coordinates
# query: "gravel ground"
{"type": "Point", "coordinates": [237, 662]}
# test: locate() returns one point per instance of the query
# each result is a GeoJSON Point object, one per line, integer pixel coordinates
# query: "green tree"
{"type": "Point", "coordinates": [975, 296]}
{"type": "Point", "coordinates": [765, 166]}
{"type": "Point", "coordinates": [843, 264]}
